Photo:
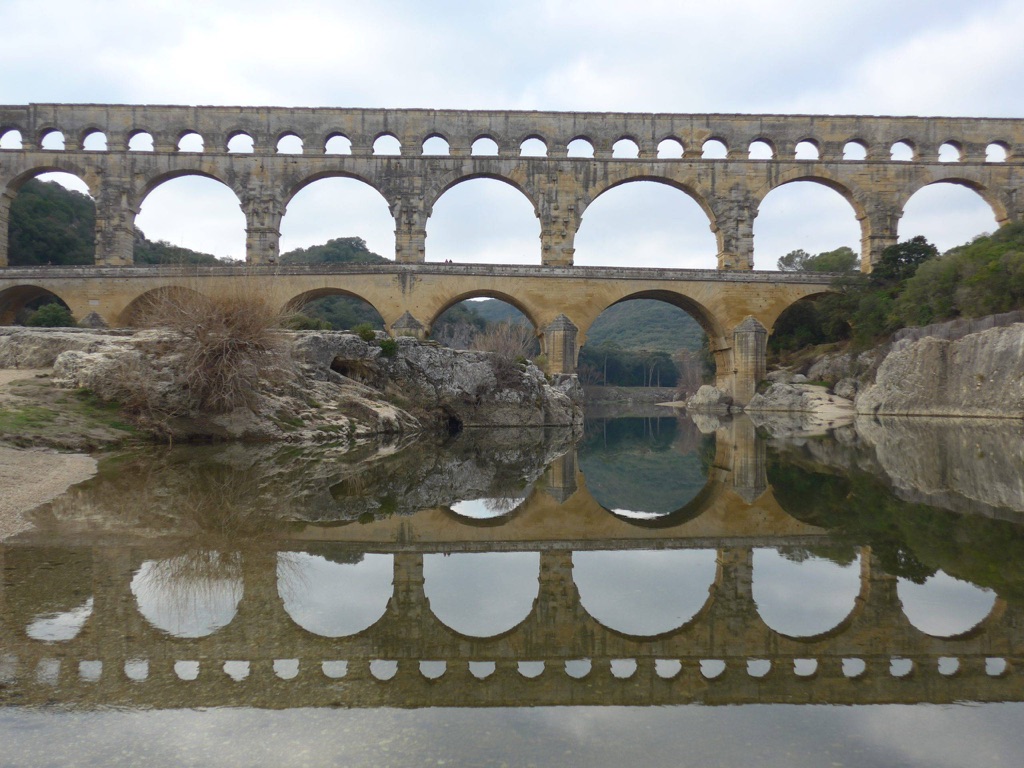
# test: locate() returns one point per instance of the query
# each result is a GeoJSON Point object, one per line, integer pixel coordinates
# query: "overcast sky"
{"type": "Point", "coordinates": [909, 57]}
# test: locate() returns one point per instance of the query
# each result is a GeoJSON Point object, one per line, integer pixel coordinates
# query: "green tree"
{"type": "Point", "coordinates": [840, 260]}
{"type": "Point", "coordinates": [51, 315]}
{"type": "Point", "coordinates": [900, 261]}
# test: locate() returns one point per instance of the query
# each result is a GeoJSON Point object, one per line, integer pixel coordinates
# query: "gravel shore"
{"type": "Point", "coordinates": [31, 478]}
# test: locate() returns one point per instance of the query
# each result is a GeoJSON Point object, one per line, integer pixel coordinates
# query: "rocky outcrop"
{"type": "Point", "coordinates": [709, 399]}
{"type": "Point", "coordinates": [978, 375]}
{"type": "Point", "coordinates": [39, 347]}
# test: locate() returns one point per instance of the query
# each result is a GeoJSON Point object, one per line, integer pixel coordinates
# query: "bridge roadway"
{"type": "Point", "coordinates": [735, 308]}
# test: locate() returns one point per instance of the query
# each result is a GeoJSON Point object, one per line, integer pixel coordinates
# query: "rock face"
{"type": "Point", "coordinates": [709, 399]}
{"type": "Point", "coordinates": [981, 375]}
{"type": "Point", "coordinates": [339, 386]}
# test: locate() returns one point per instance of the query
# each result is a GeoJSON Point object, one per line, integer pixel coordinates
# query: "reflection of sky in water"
{"type": "Point", "coordinates": [60, 625]}
{"type": "Point", "coordinates": [190, 595]}
{"type": "Point", "coordinates": [334, 599]}
{"type": "Point", "coordinates": [944, 606]}
{"type": "Point", "coordinates": [801, 599]}
{"type": "Point", "coordinates": [486, 509]}
{"type": "Point", "coordinates": [635, 514]}
{"type": "Point", "coordinates": [481, 594]}
{"type": "Point", "coordinates": [644, 592]}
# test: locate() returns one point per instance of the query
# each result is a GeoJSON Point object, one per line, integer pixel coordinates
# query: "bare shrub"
{"type": "Point", "coordinates": [224, 344]}
{"type": "Point", "coordinates": [510, 341]}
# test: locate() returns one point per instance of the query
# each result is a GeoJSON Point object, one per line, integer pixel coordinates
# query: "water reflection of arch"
{"type": "Point", "coordinates": [491, 521]}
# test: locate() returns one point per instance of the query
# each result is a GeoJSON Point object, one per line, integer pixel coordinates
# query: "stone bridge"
{"type": "Point", "coordinates": [123, 152]}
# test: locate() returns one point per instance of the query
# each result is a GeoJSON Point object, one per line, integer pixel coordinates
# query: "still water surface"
{"type": "Point", "coordinates": [652, 592]}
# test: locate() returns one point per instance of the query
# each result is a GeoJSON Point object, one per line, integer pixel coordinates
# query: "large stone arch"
{"type": "Point", "coordinates": [16, 298]}
{"type": "Point", "coordinates": [449, 180]}
{"type": "Point", "coordinates": [702, 314]}
{"type": "Point", "coordinates": [213, 171]}
{"type": "Point", "coordinates": [297, 302]}
{"type": "Point", "coordinates": [532, 314]}
{"type": "Point", "coordinates": [60, 164]}
{"type": "Point", "coordinates": [590, 194]}
{"type": "Point", "coordinates": [998, 201]}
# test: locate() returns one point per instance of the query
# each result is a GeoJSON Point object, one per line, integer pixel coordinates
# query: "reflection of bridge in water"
{"type": "Point", "coordinates": [411, 653]}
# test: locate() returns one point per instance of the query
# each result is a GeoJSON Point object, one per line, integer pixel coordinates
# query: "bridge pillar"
{"type": "Point", "coordinates": [749, 357]}
{"type": "Point", "coordinates": [410, 230]}
{"type": "Point", "coordinates": [560, 477]}
{"type": "Point", "coordinates": [263, 216]}
{"type": "Point", "coordinates": [560, 346]}
{"type": "Point", "coordinates": [740, 450]}
{"type": "Point", "coordinates": [115, 226]}
{"type": "Point", "coordinates": [407, 325]}
{"type": "Point", "coordinates": [879, 227]}
{"type": "Point", "coordinates": [5, 218]}
{"type": "Point", "coordinates": [733, 227]}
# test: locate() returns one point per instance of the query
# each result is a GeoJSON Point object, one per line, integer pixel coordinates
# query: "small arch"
{"type": "Point", "coordinates": [481, 594]}
{"type": "Point", "coordinates": [580, 147]}
{"type": "Point", "coordinates": [289, 144]}
{"type": "Point", "coordinates": [807, 149]}
{"type": "Point", "coordinates": [761, 149]}
{"type": "Point", "coordinates": [11, 139]}
{"type": "Point", "coordinates": [484, 146]}
{"type": "Point", "coordinates": [134, 314]}
{"type": "Point", "coordinates": [714, 149]}
{"type": "Point", "coordinates": [626, 148]}
{"type": "Point", "coordinates": [335, 596]}
{"type": "Point", "coordinates": [18, 302]}
{"type": "Point", "coordinates": [487, 323]}
{"type": "Point", "coordinates": [644, 593]}
{"type": "Point", "coordinates": [435, 145]}
{"type": "Point", "coordinates": [94, 141]}
{"type": "Point", "coordinates": [240, 143]}
{"type": "Point", "coordinates": [190, 141]}
{"type": "Point", "coordinates": [902, 152]}
{"type": "Point", "coordinates": [343, 309]}
{"type": "Point", "coordinates": [855, 149]}
{"type": "Point", "coordinates": [140, 141]}
{"type": "Point", "coordinates": [996, 152]}
{"type": "Point", "coordinates": [505, 298]}
{"type": "Point", "coordinates": [338, 144]}
{"type": "Point", "coordinates": [52, 140]}
{"type": "Point", "coordinates": [670, 148]}
{"type": "Point", "coordinates": [951, 152]}
{"type": "Point", "coordinates": [387, 144]}
{"type": "Point", "coordinates": [533, 146]}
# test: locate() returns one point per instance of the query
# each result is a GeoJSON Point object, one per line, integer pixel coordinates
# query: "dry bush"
{"type": "Point", "coordinates": [510, 341]}
{"type": "Point", "coordinates": [224, 345]}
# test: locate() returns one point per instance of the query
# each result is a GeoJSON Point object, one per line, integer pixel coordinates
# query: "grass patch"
{"type": "Point", "coordinates": [29, 417]}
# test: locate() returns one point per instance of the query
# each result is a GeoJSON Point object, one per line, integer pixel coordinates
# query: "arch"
{"type": "Point", "coordinates": [799, 214]}
{"type": "Point", "coordinates": [191, 141]}
{"type": "Point", "coordinates": [533, 146]}
{"type": "Point", "coordinates": [19, 298]}
{"type": "Point", "coordinates": [761, 149]}
{"type": "Point", "coordinates": [134, 314]}
{"type": "Point", "coordinates": [903, 151]}
{"type": "Point", "coordinates": [94, 140]}
{"type": "Point", "coordinates": [338, 144]}
{"type": "Point", "coordinates": [944, 606]}
{"type": "Point", "coordinates": [335, 597]}
{"type": "Point", "coordinates": [67, 235]}
{"type": "Point", "coordinates": [626, 148]}
{"type": "Point", "coordinates": [670, 148]}
{"type": "Point", "coordinates": [504, 329]}
{"type": "Point", "coordinates": [484, 146]}
{"type": "Point", "coordinates": [51, 139]}
{"type": "Point", "coordinates": [805, 596]}
{"type": "Point", "coordinates": [240, 142]}
{"type": "Point", "coordinates": [950, 212]}
{"type": "Point", "coordinates": [714, 149]}
{"type": "Point", "coordinates": [951, 152]}
{"type": "Point", "coordinates": [807, 149]}
{"type": "Point", "coordinates": [298, 304]}
{"type": "Point", "coordinates": [10, 138]}
{"type": "Point", "coordinates": [855, 149]}
{"type": "Point", "coordinates": [995, 152]}
{"type": "Point", "coordinates": [580, 146]}
{"type": "Point", "coordinates": [190, 595]}
{"type": "Point", "coordinates": [140, 141]}
{"type": "Point", "coordinates": [435, 144]}
{"type": "Point", "coordinates": [289, 143]}
{"type": "Point", "coordinates": [651, 222]}
{"type": "Point", "coordinates": [386, 144]}
{"type": "Point", "coordinates": [488, 510]}
{"type": "Point", "coordinates": [461, 588]}
{"type": "Point", "coordinates": [335, 204]}
{"type": "Point", "coordinates": [645, 593]}
{"type": "Point", "coordinates": [486, 294]}
{"type": "Point", "coordinates": [215, 222]}
{"type": "Point", "coordinates": [60, 626]}
{"type": "Point", "coordinates": [501, 232]}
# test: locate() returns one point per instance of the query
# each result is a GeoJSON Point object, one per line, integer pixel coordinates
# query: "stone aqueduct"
{"type": "Point", "coordinates": [735, 306]}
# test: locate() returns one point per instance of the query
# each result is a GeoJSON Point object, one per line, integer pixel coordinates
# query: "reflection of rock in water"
{"type": "Point", "coordinates": [234, 491]}
{"type": "Point", "coordinates": [645, 465]}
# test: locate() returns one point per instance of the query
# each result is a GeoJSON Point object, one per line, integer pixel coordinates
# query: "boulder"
{"type": "Point", "coordinates": [709, 399]}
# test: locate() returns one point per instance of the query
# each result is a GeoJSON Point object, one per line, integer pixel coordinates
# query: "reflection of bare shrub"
{"type": "Point", "coordinates": [511, 341]}
{"type": "Point", "coordinates": [224, 345]}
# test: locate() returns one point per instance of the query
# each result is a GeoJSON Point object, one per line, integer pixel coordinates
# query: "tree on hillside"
{"type": "Point", "coordinates": [51, 225]}
{"type": "Point", "coordinates": [900, 261]}
{"type": "Point", "coordinates": [840, 260]}
{"type": "Point", "coordinates": [340, 250]}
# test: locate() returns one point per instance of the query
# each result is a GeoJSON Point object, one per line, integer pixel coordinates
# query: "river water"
{"type": "Point", "coordinates": [660, 592]}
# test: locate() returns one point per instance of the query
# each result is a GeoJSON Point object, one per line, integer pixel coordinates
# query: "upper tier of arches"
{"type": "Point", "coordinates": [609, 135]}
